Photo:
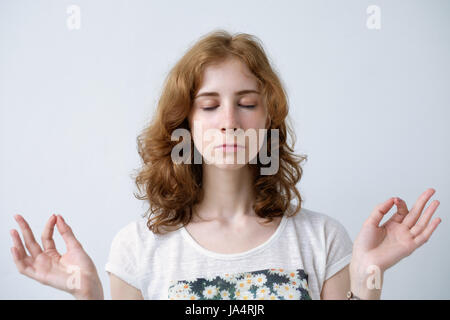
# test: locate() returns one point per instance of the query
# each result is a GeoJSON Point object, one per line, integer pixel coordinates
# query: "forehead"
{"type": "Point", "coordinates": [230, 74]}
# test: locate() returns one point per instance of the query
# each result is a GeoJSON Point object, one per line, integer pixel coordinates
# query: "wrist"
{"type": "Point", "coordinates": [94, 292]}
{"type": "Point", "coordinates": [366, 281]}
{"type": "Point", "coordinates": [94, 295]}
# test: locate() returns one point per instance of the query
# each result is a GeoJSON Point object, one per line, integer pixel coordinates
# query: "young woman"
{"type": "Point", "coordinates": [222, 228]}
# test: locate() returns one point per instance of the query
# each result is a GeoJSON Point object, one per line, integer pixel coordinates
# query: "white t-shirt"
{"type": "Point", "coordinates": [293, 263]}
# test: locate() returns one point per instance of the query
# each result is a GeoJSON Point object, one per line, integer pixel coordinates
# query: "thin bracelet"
{"type": "Point", "coordinates": [351, 296]}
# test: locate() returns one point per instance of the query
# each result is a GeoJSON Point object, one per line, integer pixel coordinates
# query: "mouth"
{"type": "Point", "coordinates": [229, 146]}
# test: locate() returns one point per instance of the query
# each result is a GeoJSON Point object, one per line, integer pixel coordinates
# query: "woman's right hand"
{"type": "Point", "coordinates": [73, 272]}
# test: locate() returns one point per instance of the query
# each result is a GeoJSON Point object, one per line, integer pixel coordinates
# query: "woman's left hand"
{"type": "Point", "coordinates": [385, 245]}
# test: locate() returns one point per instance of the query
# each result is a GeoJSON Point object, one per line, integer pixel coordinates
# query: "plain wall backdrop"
{"type": "Point", "coordinates": [370, 108]}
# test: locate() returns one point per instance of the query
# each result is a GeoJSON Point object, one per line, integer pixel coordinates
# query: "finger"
{"type": "Point", "coordinates": [425, 218]}
{"type": "Point", "coordinates": [33, 247]}
{"type": "Point", "coordinates": [47, 235]}
{"type": "Point", "coordinates": [402, 211]}
{"type": "Point", "coordinates": [426, 234]}
{"type": "Point", "coordinates": [67, 234]}
{"type": "Point", "coordinates": [416, 211]}
{"type": "Point", "coordinates": [20, 249]}
{"type": "Point", "coordinates": [21, 264]}
{"type": "Point", "coordinates": [378, 213]}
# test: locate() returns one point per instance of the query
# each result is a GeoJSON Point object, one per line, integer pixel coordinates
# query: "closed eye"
{"type": "Point", "coordinates": [210, 108]}
{"type": "Point", "coordinates": [243, 106]}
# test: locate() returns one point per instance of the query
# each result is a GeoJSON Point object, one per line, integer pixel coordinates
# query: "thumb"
{"type": "Point", "coordinates": [66, 232]}
{"type": "Point", "coordinates": [378, 213]}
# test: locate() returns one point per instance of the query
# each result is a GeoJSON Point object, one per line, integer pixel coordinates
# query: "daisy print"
{"type": "Point", "coordinates": [228, 277]}
{"type": "Point", "coordinates": [210, 292]}
{"type": "Point", "coordinates": [259, 279]}
{"type": "Point", "coordinates": [243, 284]}
{"type": "Point", "coordinates": [265, 284]}
{"type": "Point", "coordinates": [272, 296]}
{"type": "Point", "coordinates": [225, 295]}
{"type": "Point", "coordinates": [262, 292]}
{"type": "Point", "coordinates": [193, 296]}
{"type": "Point", "coordinates": [292, 294]}
{"type": "Point", "coordinates": [247, 295]}
{"type": "Point", "coordinates": [292, 275]}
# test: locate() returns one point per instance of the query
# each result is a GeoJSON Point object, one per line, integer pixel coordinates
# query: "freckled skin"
{"type": "Point", "coordinates": [226, 79]}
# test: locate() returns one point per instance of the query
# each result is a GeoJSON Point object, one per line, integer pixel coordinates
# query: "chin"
{"type": "Point", "coordinates": [226, 163]}
{"type": "Point", "coordinates": [229, 166]}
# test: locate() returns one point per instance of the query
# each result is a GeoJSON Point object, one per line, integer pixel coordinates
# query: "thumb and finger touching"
{"type": "Point", "coordinates": [22, 260]}
{"type": "Point", "coordinates": [402, 211]}
{"type": "Point", "coordinates": [417, 222]}
{"type": "Point", "coordinates": [378, 213]}
{"type": "Point", "coordinates": [47, 237]}
{"type": "Point", "coordinates": [66, 232]}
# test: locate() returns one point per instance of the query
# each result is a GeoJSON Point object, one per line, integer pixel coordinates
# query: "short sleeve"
{"type": "Point", "coordinates": [124, 255]}
{"type": "Point", "coordinates": [339, 247]}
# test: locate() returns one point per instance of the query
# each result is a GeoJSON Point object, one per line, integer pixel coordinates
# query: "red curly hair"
{"type": "Point", "coordinates": [173, 189]}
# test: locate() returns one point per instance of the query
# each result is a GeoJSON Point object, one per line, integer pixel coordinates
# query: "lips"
{"type": "Point", "coordinates": [229, 146]}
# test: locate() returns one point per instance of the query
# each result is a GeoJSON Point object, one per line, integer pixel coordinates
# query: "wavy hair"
{"type": "Point", "coordinates": [172, 189]}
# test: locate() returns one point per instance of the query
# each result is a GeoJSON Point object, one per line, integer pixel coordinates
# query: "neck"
{"type": "Point", "coordinates": [228, 194]}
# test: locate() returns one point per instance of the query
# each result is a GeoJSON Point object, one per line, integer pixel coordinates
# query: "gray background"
{"type": "Point", "coordinates": [370, 109]}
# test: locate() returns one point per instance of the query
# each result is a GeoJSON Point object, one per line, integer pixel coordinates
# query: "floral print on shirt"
{"type": "Point", "coordinates": [267, 284]}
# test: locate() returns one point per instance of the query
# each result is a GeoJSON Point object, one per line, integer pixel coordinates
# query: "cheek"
{"type": "Point", "coordinates": [255, 121]}
{"type": "Point", "coordinates": [198, 127]}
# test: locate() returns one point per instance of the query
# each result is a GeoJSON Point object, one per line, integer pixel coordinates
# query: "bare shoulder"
{"type": "Point", "coordinates": [121, 290]}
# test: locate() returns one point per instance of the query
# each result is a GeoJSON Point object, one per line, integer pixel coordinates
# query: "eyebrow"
{"type": "Point", "coordinates": [215, 94]}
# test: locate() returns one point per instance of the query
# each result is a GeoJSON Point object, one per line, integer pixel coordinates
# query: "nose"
{"type": "Point", "coordinates": [230, 120]}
